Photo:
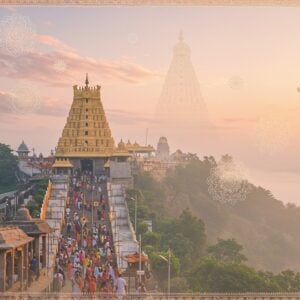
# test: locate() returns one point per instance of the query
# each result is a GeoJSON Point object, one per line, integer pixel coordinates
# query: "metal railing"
{"type": "Point", "coordinates": [153, 296]}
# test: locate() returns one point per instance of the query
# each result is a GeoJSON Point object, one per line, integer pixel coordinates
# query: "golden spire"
{"type": "Point", "coordinates": [87, 80]}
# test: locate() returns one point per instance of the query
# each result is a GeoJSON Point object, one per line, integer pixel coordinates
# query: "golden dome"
{"type": "Point", "coordinates": [121, 145]}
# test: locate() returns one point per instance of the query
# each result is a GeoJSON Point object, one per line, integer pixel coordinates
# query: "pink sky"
{"type": "Point", "coordinates": [247, 63]}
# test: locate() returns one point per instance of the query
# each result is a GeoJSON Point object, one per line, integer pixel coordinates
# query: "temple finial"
{"type": "Point", "coordinates": [87, 80]}
{"type": "Point", "coordinates": [180, 37]}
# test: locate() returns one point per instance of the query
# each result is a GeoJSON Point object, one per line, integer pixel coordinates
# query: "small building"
{"type": "Point", "coordinates": [36, 229]}
{"type": "Point", "coordinates": [14, 270]}
{"type": "Point", "coordinates": [137, 150]}
{"type": "Point", "coordinates": [23, 151]}
{"type": "Point", "coordinates": [62, 166]}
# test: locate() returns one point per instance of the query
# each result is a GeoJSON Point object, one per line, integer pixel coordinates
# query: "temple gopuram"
{"type": "Point", "coordinates": [86, 142]}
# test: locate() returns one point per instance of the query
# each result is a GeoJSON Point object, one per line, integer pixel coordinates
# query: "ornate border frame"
{"type": "Point", "coordinates": [155, 2]}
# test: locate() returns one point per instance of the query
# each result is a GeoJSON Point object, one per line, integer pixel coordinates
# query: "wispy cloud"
{"type": "Point", "coordinates": [128, 118]}
{"type": "Point", "coordinates": [5, 103]}
{"type": "Point", "coordinates": [54, 107]}
{"type": "Point", "coordinates": [40, 66]}
{"type": "Point", "coordinates": [48, 106]}
{"type": "Point", "coordinates": [53, 42]}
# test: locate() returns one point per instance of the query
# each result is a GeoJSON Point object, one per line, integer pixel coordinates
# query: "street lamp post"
{"type": "Point", "coordinates": [135, 211]}
{"type": "Point", "coordinates": [168, 260]}
{"type": "Point", "coordinates": [140, 259]}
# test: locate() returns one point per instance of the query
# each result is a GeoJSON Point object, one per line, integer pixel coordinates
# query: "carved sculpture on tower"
{"type": "Point", "coordinates": [86, 142]}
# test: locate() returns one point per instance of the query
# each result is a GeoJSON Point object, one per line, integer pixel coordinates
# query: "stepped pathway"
{"type": "Point", "coordinates": [122, 230]}
{"type": "Point", "coordinates": [102, 258]}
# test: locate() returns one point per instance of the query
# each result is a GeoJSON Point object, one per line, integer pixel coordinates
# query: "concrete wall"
{"type": "Point", "coordinates": [120, 170]}
{"type": "Point", "coordinates": [55, 214]}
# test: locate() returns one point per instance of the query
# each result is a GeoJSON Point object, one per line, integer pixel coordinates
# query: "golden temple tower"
{"type": "Point", "coordinates": [86, 142]}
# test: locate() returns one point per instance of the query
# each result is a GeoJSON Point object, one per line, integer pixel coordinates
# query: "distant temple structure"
{"type": "Point", "coordinates": [86, 142]}
{"type": "Point", "coordinates": [181, 111]}
{"type": "Point", "coordinates": [181, 100]}
{"type": "Point", "coordinates": [23, 151]}
{"type": "Point", "coordinates": [163, 149]}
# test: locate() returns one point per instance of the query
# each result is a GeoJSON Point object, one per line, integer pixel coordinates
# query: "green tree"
{"type": "Point", "coordinates": [288, 280]}
{"type": "Point", "coordinates": [192, 228]}
{"type": "Point", "coordinates": [8, 167]}
{"type": "Point", "coordinates": [177, 285]}
{"type": "Point", "coordinates": [142, 228]}
{"type": "Point", "coordinates": [160, 266]}
{"type": "Point", "coordinates": [151, 238]}
{"type": "Point", "coordinates": [213, 275]}
{"type": "Point", "coordinates": [227, 251]}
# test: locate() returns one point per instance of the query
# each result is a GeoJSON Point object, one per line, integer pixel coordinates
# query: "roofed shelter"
{"type": "Point", "coordinates": [14, 244]}
{"type": "Point", "coordinates": [38, 230]}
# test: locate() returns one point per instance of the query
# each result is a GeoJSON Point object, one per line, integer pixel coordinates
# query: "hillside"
{"type": "Point", "coordinates": [267, 229]}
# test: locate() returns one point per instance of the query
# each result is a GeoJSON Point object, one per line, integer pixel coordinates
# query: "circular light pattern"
{"type": "Point", "coordinates": [272, 133]}
{"type": "Point", "coordinates": [227, 182]}
{"type": "Point", "coordinates": [17, 35]}
{"type": "Point", "coordinates": [236, 83]}
{"type": "Point", "coordinates": [25, 99]}
{"type": "Point", "coordinates": [60, 66]}
{"type": "Point", "coordinates": [132, 38]}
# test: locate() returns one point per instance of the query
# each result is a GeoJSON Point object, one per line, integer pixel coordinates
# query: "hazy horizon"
{"type": "Point", "coordinates": [245, 60]}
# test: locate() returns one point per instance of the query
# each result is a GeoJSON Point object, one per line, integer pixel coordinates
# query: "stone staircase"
{"type": "Point", "coordinates": [123, 233]}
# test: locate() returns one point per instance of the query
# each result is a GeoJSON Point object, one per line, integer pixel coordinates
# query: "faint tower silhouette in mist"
{"type": "Point", "coordinates": [181, 99]}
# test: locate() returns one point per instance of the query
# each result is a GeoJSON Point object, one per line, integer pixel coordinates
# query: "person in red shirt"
{"type": "Point", "coordinates": [92, 285]}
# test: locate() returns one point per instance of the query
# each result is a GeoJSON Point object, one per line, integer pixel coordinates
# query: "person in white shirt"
{"type": "Point", "coordinates": [58, 281]}
{"type": "Point", "coordinates": [68, 210]}
{"type": "Point", "coordinates": [121, 286]}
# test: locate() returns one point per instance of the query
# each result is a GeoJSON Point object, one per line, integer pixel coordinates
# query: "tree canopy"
{"type": "Point", "coordinates": [8, 168]}
{"type": "Point", "coordinates": [189, 222]}
{"type": "Point", "coordinates": [227, 251]}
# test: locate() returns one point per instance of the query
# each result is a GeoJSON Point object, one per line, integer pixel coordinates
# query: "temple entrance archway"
{"type": "Point", "coordinates": [87, 165]}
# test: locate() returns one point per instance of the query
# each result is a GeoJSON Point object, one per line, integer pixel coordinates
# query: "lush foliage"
{"type": "Point", "coordinates": [202, 259]}
{"type": "Point", "coordinates": [227, 251]}
{"type": "Point", "coordinates": [8, 169]}
{"type": "Point", "coordinates": [184, 236]}
{"type": "Point", "coordinates": [35, 204]}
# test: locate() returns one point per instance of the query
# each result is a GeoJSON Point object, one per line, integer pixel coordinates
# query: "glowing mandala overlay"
{"type": "Point", "coordinates": [17, 35]}
{"type": "Point", "coordinates": [25, 99]}
{"type": "Point", "coordinates": [227, 183]}
{"type": "Point", "coordinates": [272, 134]}
{"type": "Point", "coordinates": [132, 38]}
{"type": "Point", "coordinates": [60, 66]}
